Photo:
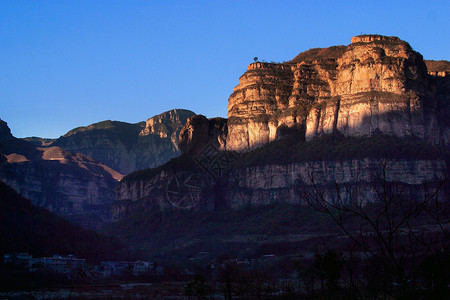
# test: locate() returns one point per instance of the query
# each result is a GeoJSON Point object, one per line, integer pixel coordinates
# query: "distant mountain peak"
{"type": "Point", "coordinates": [103, 125]}
{"type": "Point", "coordinates": [167, 123]}
{"type": "Point", "coordinates": [127, 147]}
{"type": "Point", "coordinates": [5, 131]}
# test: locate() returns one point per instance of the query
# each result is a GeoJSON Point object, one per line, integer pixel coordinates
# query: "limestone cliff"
{"type": "Point", "coordinates": [386, 110]}
{"type": "Point", "coordinates": [129, 147]}
{"type": "Point", "coordinates": [265, 184]}
{"type": "Point", "coordinates": [199, 132]}
{"type": "Point", "coordinates": [291, 183]}
{"type": "Point", "coordinates": [69, 184]}
{"type": "Point", "coordinates": [375, 84]}
{"type": "Point", "coordinates": [439, 68]}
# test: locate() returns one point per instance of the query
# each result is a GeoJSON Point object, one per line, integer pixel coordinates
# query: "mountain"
{"type": "Point", "coordinates": [377, 84]}
{"type": "Point", "coordinates": [129, 147]}
{"type": "Point", "coordinates": [72, 185]}
{"type": "Point", "coordinates": [343, 115]}
{"type": "Point", "coordinates": [38, 141]}
{"type": "Point", "coordinates": [75, 175]}
{"type": "Point", "coordinates": [27, 228]}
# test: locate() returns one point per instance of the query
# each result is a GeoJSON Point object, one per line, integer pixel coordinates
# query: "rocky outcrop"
{"type": "Point", "coordinates": [167, 124]}
{"type": "Point", "coordinates": [38, 141]}
{"type": "Point", "coordinates": [374, 89]}
{"type": "Point", "coordinates": [263, 92]}
{"type": "Point", "coordinates": [80, 184]}
{"type": "Point", "coordinates": [439, 68]}
{"type": "Point", "coordinates": [69, 184]}
{"type": "Point", "coordinates": [129, 147]}
{"type": "Point", "coordinates": [265, 184]}
{"type": "Point", "coordinates": [180, 189]}
{"type": "Point", "coordinates": [375, 84]}
{"type": "Point", "coordinates": [199, 132]}
{"type": "Point", "coordinates": [293, 182]}
{"type": "Point", "coordinates": [5, 132]}
{"type": "Point", "coordinates": [440, 79]}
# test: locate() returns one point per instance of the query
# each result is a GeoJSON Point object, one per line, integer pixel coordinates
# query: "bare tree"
{"type": "Point", "coordinates": [391, 231]}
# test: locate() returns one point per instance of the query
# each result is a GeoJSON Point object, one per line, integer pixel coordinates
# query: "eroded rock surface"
{"type": "Point", "coordinates": [129, 147]}
{"type": "Point", "coordinates": [375, 87]}
{"type": "Point", "coordinates": [199, 132]}
{"type": "Point", "coordinates": [72, 185]}
{"type": "Point", "coordinates": [375, 84]}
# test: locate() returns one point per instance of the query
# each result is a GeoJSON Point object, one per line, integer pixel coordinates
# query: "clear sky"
{"type": "Point", "coordinates": [65, 64]}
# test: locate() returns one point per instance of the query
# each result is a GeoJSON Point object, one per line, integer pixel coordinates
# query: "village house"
{"type": "Point", "coordinates": [56, 263]}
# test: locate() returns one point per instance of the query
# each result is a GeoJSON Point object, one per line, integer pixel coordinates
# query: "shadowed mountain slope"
{"type": "Point", "coordinates": [337, 115]}
{"type": "Point", "coordinates": [69, 184]}
{"type": "Point", "coordinates": [129, 147]}
{"type": "Point", "coordinates": [27, 228]}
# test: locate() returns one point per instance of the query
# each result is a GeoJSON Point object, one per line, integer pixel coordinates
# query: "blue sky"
{"type": "Point", "coordinates": [65, 64]}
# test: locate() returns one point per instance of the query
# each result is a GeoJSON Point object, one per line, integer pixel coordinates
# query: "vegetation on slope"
{"type": "Point", "coordinates": [437, 65]}
{"type": "Point", "coordinates": [183, 162]}
{"type": "Point", "coordinates": [116, 131]}
{"type": "Point", "coordinates": [311, 55]}
{"type": "Point", "coordinates": [176, 235]}
{"type": "Point", "coordinates": [338, 147]}
{"type": "Point", "coordinates": [292, 148]}
{"type": "Point", "coordinates": [108, 124]}
{"type": "Point", "coordinates": [27, 228]}
{"type": "Point", "coordinates": [38, 141]}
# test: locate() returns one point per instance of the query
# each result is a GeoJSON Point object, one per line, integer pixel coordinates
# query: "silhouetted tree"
{"type": "Point", "coordinates": [329, 267]}
{"type": "Point", "coordinates": [227, 275]}
{"type": "Point", "coordinates": [306, 277]}
{"type": "Point", "coordinates": [197, 287]}
{"type": "Point", "coordinates": [388, 230]}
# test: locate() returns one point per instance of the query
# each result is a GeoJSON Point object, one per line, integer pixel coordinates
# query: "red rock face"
{"type": "Point", "coordinates": [375, 84]}
{"type": "Point", "coordinates": [199, 132]}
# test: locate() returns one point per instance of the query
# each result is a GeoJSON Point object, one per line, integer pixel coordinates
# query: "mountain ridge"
{"type": "Point", "coordinates": [375, 95]}
{"type": "Point", "coordinates": [355, 89]}
{"type": "Point", "coordinates": [72, 185]}
{"type": "Point", "coordinates": [75, 175]}
{"type": "Point", "coordinates": [129, 147]}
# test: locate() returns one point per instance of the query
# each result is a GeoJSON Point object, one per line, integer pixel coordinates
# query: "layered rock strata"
{"type": "Point", "coordinates": [375, 84]}
{"type": "Point", "coordinates": [293, 182]}
{"type": "Point", "coordinates": [266, 184]}
{"type": "Point", "coordinates": [129, 147]}
{"type": "Point", "coordinates": [69, 184]}
{"type": "Point", "coordinates": [199, 132]}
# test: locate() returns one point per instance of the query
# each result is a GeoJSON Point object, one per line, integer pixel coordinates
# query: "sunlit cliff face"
{"type": "Point", "coordinates": [375, 84]}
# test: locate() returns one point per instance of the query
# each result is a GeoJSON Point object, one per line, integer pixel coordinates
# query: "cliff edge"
{"type": "Point", "coordinates": [339, 115]}
{"type": "Point", "coordinates": [377, 84]}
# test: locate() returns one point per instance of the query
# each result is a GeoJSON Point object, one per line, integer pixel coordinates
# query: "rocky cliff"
{"type": "Point", "coordinates": [257, 185]}
{"type": "Point", "coordinates": [110, 142]}
{"type": "Point", "coordinates": [129, 147]}
{"type": "Point", "coordinates": [200, 132]}
{"type": "Point", "coordinates": [375, 84]}
{"type": "Point", "coordinates": [69, 184]}
{"type": "Point", "coordinates": [285, 171]}
{"type": "Point", "coordinates": [383, 111]}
